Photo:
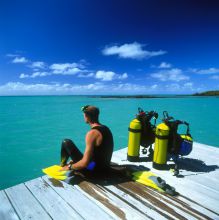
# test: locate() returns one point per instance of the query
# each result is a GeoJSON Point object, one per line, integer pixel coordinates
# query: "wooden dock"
{"type": "Point", "coordinates": [46, 198]}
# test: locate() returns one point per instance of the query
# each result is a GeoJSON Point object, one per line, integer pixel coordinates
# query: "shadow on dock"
{"type": "Point", "coordinates": [195, 165]}
{"type": "Point", "coordinates": [122, 173]}
{"type": "Point", "coordinates": [117, 174]}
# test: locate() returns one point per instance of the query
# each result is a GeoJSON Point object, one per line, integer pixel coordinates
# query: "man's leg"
{"type": "Point", "coordinates": [69, 149]}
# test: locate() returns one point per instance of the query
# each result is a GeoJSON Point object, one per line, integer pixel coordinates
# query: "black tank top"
{"type": "Point", "coordinates": [103, 153]}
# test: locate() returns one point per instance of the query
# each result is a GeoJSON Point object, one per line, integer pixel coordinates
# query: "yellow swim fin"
{"type": "Point", "coordinates": [152, 180]}
{"type": "Point", "coordinates": [144, 177]}
{"type": "Point", "coordinates": [143, 174]}
{"type": "Point", "coordinates": [55, 172]}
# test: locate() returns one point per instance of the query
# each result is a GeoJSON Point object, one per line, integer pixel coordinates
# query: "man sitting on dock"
{"type": "Point", "coordinates": [99, 146]}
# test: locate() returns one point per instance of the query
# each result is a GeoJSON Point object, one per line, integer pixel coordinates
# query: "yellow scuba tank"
{"type": "Point", "coordinates": [134, 140]}
{"type": "Point", "coordinates": [161, 146]}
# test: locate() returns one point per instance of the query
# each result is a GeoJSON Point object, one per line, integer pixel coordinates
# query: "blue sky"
{"type": "Point", "coordinates": [81, 47]}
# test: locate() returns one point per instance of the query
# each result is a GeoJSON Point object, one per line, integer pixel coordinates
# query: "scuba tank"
{"type": "Point", "coordinates": [141, 133]}
{"type": "Point", "coordinates": [169, 141]}
{"type": "Point", "coordinates": [134, 140]}
{"type": "Point", "coordinates": [160, 146]}
{"type": "Point", "coordinates": [162, 139]}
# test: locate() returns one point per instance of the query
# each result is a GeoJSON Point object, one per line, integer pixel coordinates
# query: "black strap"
{"type": "Point", "coordinates": [162, 137]}
{"type": "Point", "coordinates": [134, 130]}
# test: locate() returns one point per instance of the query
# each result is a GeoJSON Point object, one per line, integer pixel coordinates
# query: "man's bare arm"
{"type": "Point", "coordinates": [91, 139]}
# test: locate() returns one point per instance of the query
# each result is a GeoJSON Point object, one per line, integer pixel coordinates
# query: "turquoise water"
{"type": "Point", "coordinates": [32, 128]}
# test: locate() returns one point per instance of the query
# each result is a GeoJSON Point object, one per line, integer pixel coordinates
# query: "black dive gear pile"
{"type": "Point", "coordinates": [168, 143]}
{"type": "Point", "coordinates": [178, 144]}
{"type": "Point", "coordinates": [147, 128]}
{"type": "Point", "coordinates": [141, 133]}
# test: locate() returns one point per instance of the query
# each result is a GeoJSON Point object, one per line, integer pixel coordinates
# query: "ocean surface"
{"type": "Point", "coordinates": [32, 128]}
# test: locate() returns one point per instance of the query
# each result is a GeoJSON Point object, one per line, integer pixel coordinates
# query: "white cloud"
{"type": "Point", "coordinates": [188, 85]}
{"type": "Point", "coordinates": [38, 65]}
{"type": "Point", "coordinates": [105, 75]}
{"type": "Point", "coordinates": [133, 51]}
{"type": "Point", "coordinates": [216, 77]}
{"type": "Point", "coordinates": [164, 65]}
{"type": "Point", "coordinates": [33, 65]}
{"type": "Point", "coordinates": [13, 87]}
{"type": "Point", "coordinates": [173, 87]}
{"type": "Point", "coordinates": [123, 76]}
{"type": "Point", "coordinates": [131, 88]}
{"type": "Point", "coordinates": [39, 74]}
{"type": "Point", "coordinates": [76, 69]}
{"type": "Point", "coordinates": [109, 75]}
{"type": "Point", "coordinates": [41, 69]}
{"type": "Point", "coordinates": [56, 69]}
{"type": "Point", "coordinates": [18, 88]}
{"type": "Point", "coordinates": [67, 68]}
{"type": "Point", "coordinates": [19, 60]}
{"type": "Point", "coordinates": [34, 75]}
{"type": "Point", "coordinates": [155, 86]}
{"type": "Point", "coordinates": [206, 71]}
{"type": "Point", "coordinates": [181, 88]}
{"type": "Point", "coordinates": [23, 75]}
{"type": "Point", "coordinates": [128, 87]}
{"type": "Point", "coordinates": [170, 75]}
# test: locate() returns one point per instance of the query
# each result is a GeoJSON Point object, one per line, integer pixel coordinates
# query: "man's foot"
{"type": "Point", "coordinates": [64, 163]}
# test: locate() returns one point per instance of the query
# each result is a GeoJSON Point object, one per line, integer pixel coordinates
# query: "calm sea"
{"type": "Point", "coordinates": [32, 128]}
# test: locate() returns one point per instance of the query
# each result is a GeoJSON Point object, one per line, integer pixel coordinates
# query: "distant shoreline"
{"type": "Point", "coordinates": [208, 93]}
{"type": "Point", "coordinates": [137, 96]}
{"type": "Point", "coordinates": [149, 96]}
{"type": "Point", "coordinates": [204, 94]}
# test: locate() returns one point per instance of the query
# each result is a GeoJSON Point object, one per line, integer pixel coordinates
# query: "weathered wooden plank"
{"type": "Point", "coordinates": [198, 199]}
{"type": "Point", "coordinates": [26, 206]}
{"type": "Point", "coordinates": [121, 208]}
{"type": "Point", "coordinates": [199, 187]}
{"type": "Point", "coordinates": [169, 204]}
{"type": "Point", "coordinates": [188, 202]}
{"type": "Point", "coordinates": [51, 201]}
{"type": "Point", "coordinates": [103, 203]}
{"type": "Point", "coordinates": [193, 176]}
{"type": "Point", "coordinates": [155, 201]}
{"type": "Point", "coordinates": [191, 207]}
{"type": "Point", "coordinates": [146, 207]}
{"type": "Point", "coordinates": [193, 189]}
{"type": "Point", "coordinates": [7, 212]}
{"type": "Point", "coordinates": [204, 178]}
{"type": "Point", "coordinates": [87, 208]}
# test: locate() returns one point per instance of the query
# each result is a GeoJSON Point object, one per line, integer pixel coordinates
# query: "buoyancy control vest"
{"type": "Point", "coordinates": [147, 128]}
{"type": "Point", "coordinates": [178, 144]}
